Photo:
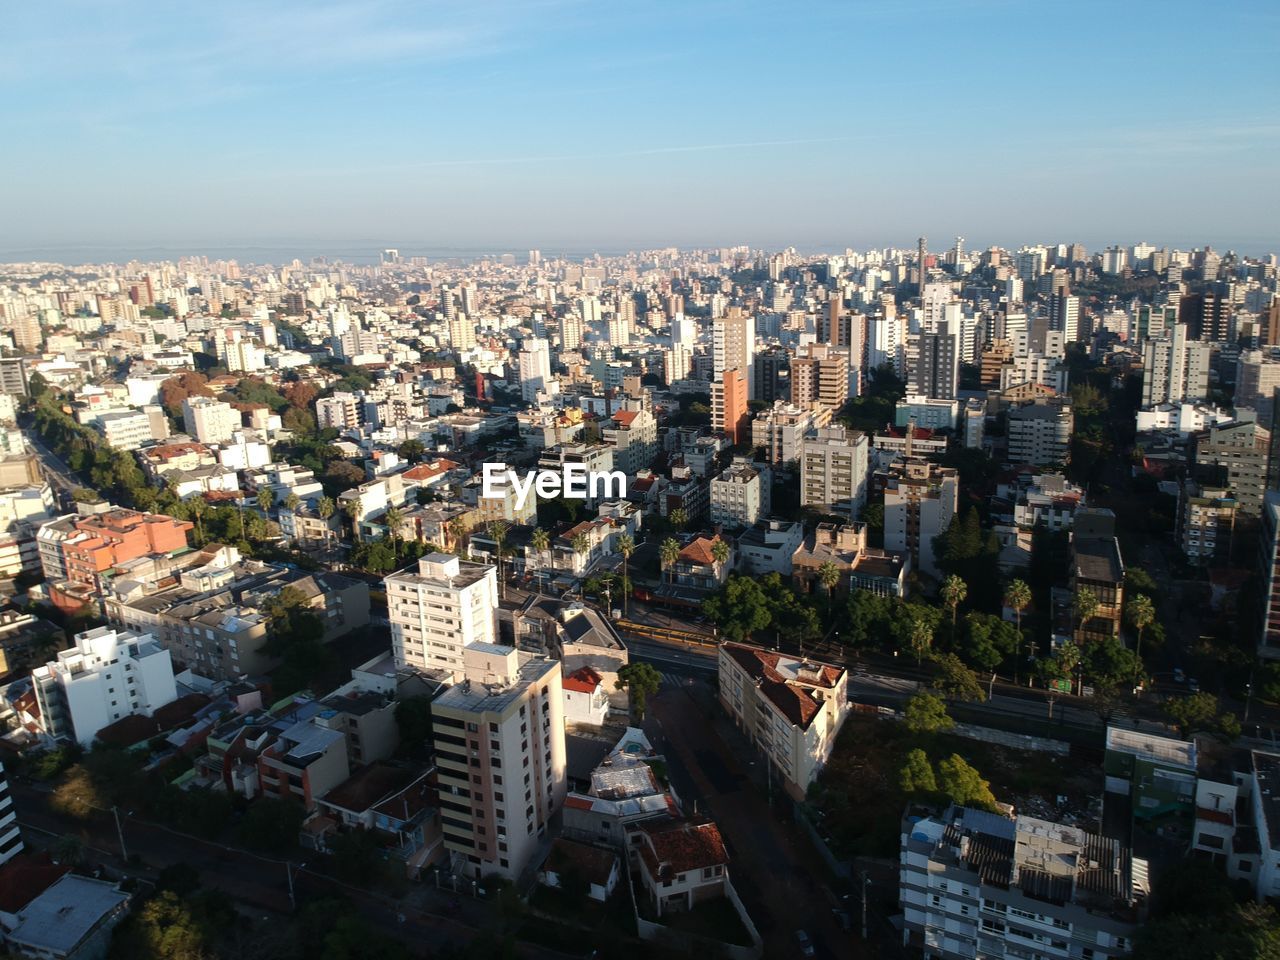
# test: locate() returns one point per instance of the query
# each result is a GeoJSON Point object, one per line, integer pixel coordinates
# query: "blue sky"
{"type": "Point", "coordinates": [579, 125]}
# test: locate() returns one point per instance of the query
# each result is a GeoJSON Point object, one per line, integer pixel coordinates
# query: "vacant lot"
{"type": "Point", "coordinates": [858, 800]}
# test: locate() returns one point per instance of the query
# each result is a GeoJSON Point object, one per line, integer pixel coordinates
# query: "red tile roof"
{"type": "Point", "coordinates": [676, 848]}
{"type": "Point", "coordinates": [624, 418]}
{"type": "Point", "coordinates": [794, 700]}
{"type": "Point", "coordinates": [582, 680]}
{"type": "Point", "coordinates": [699, 551]}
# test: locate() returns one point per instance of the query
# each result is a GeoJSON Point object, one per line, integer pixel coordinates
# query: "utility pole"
{"type": "Point", "coordinates": [124, 854]}
{"type": "Point", "coordinates": [866, 882]}
{"type": "Point", "coordinates": [288, 872]}
{"type": "Point", "coordinates": [991, 685]}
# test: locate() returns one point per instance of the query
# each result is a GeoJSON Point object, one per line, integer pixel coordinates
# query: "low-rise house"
{"type": "Point", "coordinates": [598, 867]}
{"type": "Point", "coordinates": [844, 545]}
{"type": "Point", "coordinates": [71, 920]}
{"type": "Point", "coordinates": [627, 787]}
{"type": "Point", "coordinates": [698, 567]}
{"type": "Point", "coordinates": [585, 699]}
{"type": "Point", "coordinates": [682, 863]}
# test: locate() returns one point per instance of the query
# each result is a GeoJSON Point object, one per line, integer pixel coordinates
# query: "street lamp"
{"type": "Point", "coordinates": [288, 872]}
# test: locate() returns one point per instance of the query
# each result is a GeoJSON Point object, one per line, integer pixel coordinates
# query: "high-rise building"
{"type": "Point", "coordinates": [535, 369]}
{"type": "Point", "coordinates": [733, 338]}
{"type": "Point", "coordinates": [106, 676]}
{"type": "Point", "coordinates": [10, 834]}
{"type": "Point", "coordinates": [1236, 456]}
{"type": "Point", "coordinates": [920, 498]}
{"type": "Point", "coordinates": [1064, 315]}
{"type": "Point", "coordinates": [209, 420]}
{"type": "Point", "coordinates": [1039, 431]}
{"type": "Point", "coordinates": [730, 413]}
{"type": "Point", "coordinates": [438, 609]}
{"type": "Point", "coordinates": [1269, 576]}
{"type": "Point", "coordinates": [833, 471]}
{"type": "Point", "coordinates": [500, 758]}
{"type": "Point", "coordinates": [767, 384]}
{"type": "Point", "coordinates": [937, 369]}
{"type": "Point", "coordinates": [462, 333]}
{"type": "Point", "coordinates": [820, 377]}
{"type": "Point", "coordinates": [738, 496]}
{"type": "Point", "coordinates": [1175, 368]}
{"type": "Point", "coordinates": [974, 884]}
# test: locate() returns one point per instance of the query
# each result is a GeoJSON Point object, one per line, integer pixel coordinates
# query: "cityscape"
{"type": "Point", "coordinates": [534, 480]}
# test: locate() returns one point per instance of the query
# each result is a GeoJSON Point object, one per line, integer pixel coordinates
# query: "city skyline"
{"type": "Point", "coordinates": [505, 126]}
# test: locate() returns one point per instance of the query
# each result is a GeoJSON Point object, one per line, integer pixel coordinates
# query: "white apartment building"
{"type": "Point", "coordinates": [341, 411]}
{"type": "Point", "coordinates": [10, 834]}
{"type": "Point", "coordinates": [981, 886]}
{"type": "Point", "coordinates": [768, 547]}
{"type": "Point", "coordinates": [209, 420]}
{"type": "Point", "coordinates": [535, 369]}
{"type": "Point", "coordinates": [781, 429]}
{"type": "Point", "coordinates": [500, 756]}
{"type": "Point", "coordinates": [632, 432]}
{"type": "Point", "coordinates": [833, 470]}
{"type": "Point", "coordinates": [438, 609]}
{"type": "Point", "coordinates": [1040, 431]}
{"type": "Point", "coordinates": [125, 429]}
{"type": "Point", "coordinates": [107, 675]}
{"type": "Point", "coordinates": [595, 457]}
{"type": "Point", "coordinates": [1174, 368]}
{"type": "Point", "coordinates": [920, 498]}
{"type": "Point", "coordinates": [790, 709]}
{"type": "Point", "coordinates": [738, 497]}
{"type": "Point", "coordinates": [733, 341]}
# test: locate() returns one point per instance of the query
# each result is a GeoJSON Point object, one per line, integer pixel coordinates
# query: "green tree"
{"type": "Point", "coordinates": [1195, 915]}
{"type": "Point", "coordinates": [266, 499]}
{"type": "Point", "coordinates": [412, 450]}
{"type": "Point", "coordinates": [292, 501]}
{"type": "Point", "coordinates": [916, 775]}
{"type": "Point", "coordinates": [740, 608]}
{"type": "Point", "coordinates": [641, 681]}
{"type": "Point", "coordinates": [720, 551]}
{"type": "Point", "coordinates": [955, 681]}
{"type": "Point", "coordinates": [1198, 711]}
{"type": "Point", "coordinates": [926, 714]}
{"type": "Point", "coordinates": [580, 544]}
{"type": "Point", "coordinates": [679, 518]}
{"type": "Point", "coordinates": [963, 785]}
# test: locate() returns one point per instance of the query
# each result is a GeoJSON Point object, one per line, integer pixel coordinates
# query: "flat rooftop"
{"type": "Point", "coordinates": [1150, 746]}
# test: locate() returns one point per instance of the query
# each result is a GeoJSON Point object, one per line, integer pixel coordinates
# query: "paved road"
{"type": "Point", "coordinates": [58, 473]}
{"type": "Point", "coordinates": [424, 918]}
{"type": "Point", "coordinates": [779, 881]}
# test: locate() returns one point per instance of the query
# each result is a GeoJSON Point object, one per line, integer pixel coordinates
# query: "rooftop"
{"type": "Point", "coordinates": [67, 912]}
{"type": "Point", "coordinates": [1150, 746]}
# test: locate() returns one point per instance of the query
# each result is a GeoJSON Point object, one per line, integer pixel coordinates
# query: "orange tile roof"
{"type": "Point", "coordinates": [680, 847]}
{"type": "Point", "coordinates": [699, 551]}
{"type": "Point", "coordinates": [624, 418]}
{"type": "Point", "coordinates": [582, 680]}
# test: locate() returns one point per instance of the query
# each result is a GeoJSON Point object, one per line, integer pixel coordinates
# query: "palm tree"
{"type": "Point", "coordinates": [679, 518]}
{"type": "Point", "coordinates": [392, 520]}
{"type": "Point", "coordinates": [581, 544]}
{"type": "Point", "coordinates": [1017, 597]}
{"type": "Point", "coordinates": [291, 502]}
{"type": "Point", "coordinates": [668, 555]}
{"type": "Point", "coordinates": [498, 530]}
{"type": "Point", "coordinates": [626, 547]}
{"type": "Point", "coordinates": [828, 576]}
{"type": "Point", "coordinates": [324, 510]}
{"type": "Point", "coordinates": [720, 553]}
{"type": "Point", "coordinates": [1085, 607]}
{"type": "Point", "coordinates": [540, 541]}
{"type": "Point", "coordinates": [456, 529]}
{"type": "Point", "coordinates": [954, 590]}
{"type": "Point", "coordinates": [921, 639]}
{"type": "Point", "coordinates": [266, 499]}
{"type": "Point", "coordinates": [1142, 613]}
{"type": "Point", "coordinates": [197, 508]}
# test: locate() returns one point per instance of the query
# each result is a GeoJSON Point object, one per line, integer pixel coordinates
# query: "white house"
{"type": "Point", "coordinates": [585, 698]}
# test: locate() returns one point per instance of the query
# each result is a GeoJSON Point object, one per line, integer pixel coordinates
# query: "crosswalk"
{"type": "Point", "coordinates": [671, 679]}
